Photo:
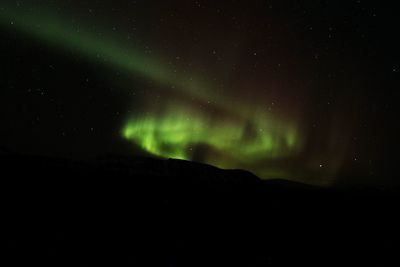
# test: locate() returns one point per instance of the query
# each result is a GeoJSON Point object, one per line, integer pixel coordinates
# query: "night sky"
{"type": "Point", "coordinates": [301, 90]}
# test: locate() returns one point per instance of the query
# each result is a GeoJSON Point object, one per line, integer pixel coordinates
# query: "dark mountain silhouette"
{"type": "Point", "coordinates": [121, 211]}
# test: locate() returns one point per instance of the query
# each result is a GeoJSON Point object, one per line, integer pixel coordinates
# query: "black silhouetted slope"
{"type": "Point", "coordinates": [148, 212]}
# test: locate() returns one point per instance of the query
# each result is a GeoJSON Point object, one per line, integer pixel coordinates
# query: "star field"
{"type": "Point", "coordinates": [301, 91]}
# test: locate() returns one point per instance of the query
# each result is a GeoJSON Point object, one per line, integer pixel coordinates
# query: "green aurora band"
{"type": "Point", "coordinates": [179, 133]}
{"type": "Point", "coordinates": [243, 136]}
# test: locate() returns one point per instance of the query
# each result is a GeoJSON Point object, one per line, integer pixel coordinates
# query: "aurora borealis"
{"type": "Point", "coordinates": [220, 84]}
{"type": "Point", "coordinates": [177, 133]}
{"type": "Point", "coordinates": [232, 140]}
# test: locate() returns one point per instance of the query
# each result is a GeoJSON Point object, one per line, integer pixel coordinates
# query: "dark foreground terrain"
{"type": "Point", "coordinates": [147, 212]}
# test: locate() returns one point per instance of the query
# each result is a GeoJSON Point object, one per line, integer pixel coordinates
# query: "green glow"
{"type": "Point", "coordinates": [67, 35]}
{"type": "Point", "coordinates": [241, 136]}
{"type": "Point", "coordinates": [61, 32]}
{"type": "Point", "coordinates": [181, 132]}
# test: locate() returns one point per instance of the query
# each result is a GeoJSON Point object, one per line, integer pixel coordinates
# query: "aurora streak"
{"type": "Point", "coordinates": [241, 135]}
